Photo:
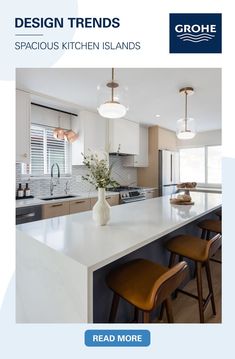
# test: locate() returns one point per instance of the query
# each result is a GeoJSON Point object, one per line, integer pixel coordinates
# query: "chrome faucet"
{"type": "Point", "coordinates": [52, 185]}
{"type": "Point", "coordinates": [58, 168]}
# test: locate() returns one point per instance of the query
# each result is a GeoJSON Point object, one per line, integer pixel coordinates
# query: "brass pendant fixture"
{"type": "Point", "coordinates": [62, 134]}
{"type": "Point", "coordinates": [186, 126]}
{"type": "Point", "coordinates": [115, 107]}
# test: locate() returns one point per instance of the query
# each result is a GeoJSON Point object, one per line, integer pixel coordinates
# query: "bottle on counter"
{"type": "Point", "coordinates": [20, 191]}
{"type": "Point", "coordinates": [27, 190]}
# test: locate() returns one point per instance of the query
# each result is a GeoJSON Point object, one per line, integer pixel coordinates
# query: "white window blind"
{"type": "Point", "coordinates": [46, 150]}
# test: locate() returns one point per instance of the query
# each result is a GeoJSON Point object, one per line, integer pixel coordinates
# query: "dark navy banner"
{"type": "Point", "coordinates": [195, 33]}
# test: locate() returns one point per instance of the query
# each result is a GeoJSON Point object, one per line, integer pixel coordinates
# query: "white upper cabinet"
{"type": "Point", "coordinates": [92, 130]}
{"type": "Point", "coordinates": [123, 136]}
{"type": "Point", "coordinates": [22, 127]}
{"type": "Point", "coordinates": [140, 160]}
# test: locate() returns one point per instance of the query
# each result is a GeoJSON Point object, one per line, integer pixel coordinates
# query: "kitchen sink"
{"type": "Point", "coordinates": [58, 197]}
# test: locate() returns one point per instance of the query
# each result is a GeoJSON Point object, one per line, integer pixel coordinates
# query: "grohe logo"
{"type": "Point", "coordinates": [195, 33]}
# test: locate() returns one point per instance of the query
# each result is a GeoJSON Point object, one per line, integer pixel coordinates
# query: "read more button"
{"type": "Point", "coordinates": [117, 338]}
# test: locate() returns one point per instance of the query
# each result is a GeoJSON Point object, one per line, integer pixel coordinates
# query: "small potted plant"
{"type": "Point", "coordinates": [99, 175]}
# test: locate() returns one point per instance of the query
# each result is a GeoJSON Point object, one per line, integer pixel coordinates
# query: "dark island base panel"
{"type": "Point", "coordinates": [155, 251]}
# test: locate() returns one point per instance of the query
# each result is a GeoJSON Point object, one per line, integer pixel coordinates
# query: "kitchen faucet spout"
{"type": "Point", "coordinates": [52, 185]}
{"type": "Point", "coordinates": [58, 170]}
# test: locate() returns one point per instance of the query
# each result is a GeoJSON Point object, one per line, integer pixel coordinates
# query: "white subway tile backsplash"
{"type": "Point", "coordinates": [40, 187]}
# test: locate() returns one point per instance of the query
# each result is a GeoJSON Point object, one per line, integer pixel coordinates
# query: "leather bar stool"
{"type": "Point", "coordinates": [145, 285]}
{"type": "Point", "coordinates": [208, 226]}
{"type": "Point", "coordinates": [187, 246]}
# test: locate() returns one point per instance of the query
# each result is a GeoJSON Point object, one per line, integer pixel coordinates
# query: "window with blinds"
{"type": "Point", "coordinates": [46, 150]}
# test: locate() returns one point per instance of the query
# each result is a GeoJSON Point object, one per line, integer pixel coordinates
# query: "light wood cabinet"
{"type": "Point", "coordinates": [80, 205]}
{"type": "Point", "coordinates": [55, 209]}
{"type": "Point", "coordinates": [159, 139]}
{"type": "Point", "coordinates": [148, 176]}
{"type": "Point", "coordinates": [22, 127]}
{"type": "Point", "coordinates": [123, 136]}
{"type": "Point", "coordinates": [167, 139]}
{"type": "Point", "coordinates": [140, 160]}
{"type": "Point", "coordinates": [112, 200]}
{"type": "Point", "coordinates": [69, 207]}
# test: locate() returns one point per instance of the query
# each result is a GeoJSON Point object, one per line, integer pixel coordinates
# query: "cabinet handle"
{"type": "Point", "coordinates": [25, 155]}
{"type": "Point", "coordinates": [57, 205]}
{"type": "Point", "coordinates": [27, 215]}
{"type": "Point", "coordinates": [79, 202]}
{"type": "Point", "coordinates": [108, 197]}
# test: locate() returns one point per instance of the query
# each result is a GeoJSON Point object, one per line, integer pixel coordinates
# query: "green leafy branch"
{"type": "Point", "coordinates": [99, 171]}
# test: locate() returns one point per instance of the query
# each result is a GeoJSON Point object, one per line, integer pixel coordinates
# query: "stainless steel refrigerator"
{"type": "Point", "coordinates": [169, 175]}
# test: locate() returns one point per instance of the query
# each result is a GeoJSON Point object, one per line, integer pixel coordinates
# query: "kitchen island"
{"type": "Point", "coordinates": [57, 259]}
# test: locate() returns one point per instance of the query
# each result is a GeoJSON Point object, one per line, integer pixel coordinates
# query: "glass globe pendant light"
{"type": "Point", "coordinates": [186, 126]}
{"type": "Point", "coordinates": [112, 99]}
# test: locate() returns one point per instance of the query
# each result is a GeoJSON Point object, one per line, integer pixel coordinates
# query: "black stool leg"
{"type": "Point", "coordinates": [199, 289]}
{"type": "Point", "coordinates": [172, 260]}
{"type": "Point", "coordinates": [136, 315]}
{"type": "Point", "coordinates": [203, 235]}
{"type": "Point", "coordinates": [169, 312]}
{"type": "Point", "coordinates": [171, 264]}
{"type": "Point", "coordinates": [161, 311]}
{"type": "Point", "coordinates": [114, 308]}
{"type": "Point", "coordinates": [208, 274]}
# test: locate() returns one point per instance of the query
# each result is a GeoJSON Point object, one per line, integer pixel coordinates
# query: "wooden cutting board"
{"type": "Point", "coordinates": [175, 201]}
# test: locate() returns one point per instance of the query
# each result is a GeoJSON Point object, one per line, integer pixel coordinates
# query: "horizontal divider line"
{"type": "Point", "coordinates": [28, 34]}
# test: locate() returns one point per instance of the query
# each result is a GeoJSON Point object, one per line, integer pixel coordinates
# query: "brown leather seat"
{"type": "Point", "coordinates": [190, 247]}
{"type": "Point", "coordinates": [211, 225]}
{"type": "Point", "coordinates": [187, 246]}
{"type": "Point", "coordinates": [145, 285]}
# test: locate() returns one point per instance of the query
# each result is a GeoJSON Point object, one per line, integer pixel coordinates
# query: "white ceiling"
{"type": "Point", "coordinates": [150, 92]}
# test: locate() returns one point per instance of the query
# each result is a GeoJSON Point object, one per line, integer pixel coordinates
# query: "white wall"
{"type": "Point", "coordinates": [202, 139]}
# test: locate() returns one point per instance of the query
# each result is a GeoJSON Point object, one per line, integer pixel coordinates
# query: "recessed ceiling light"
{"type": "Point", "coordinates": [157, 116]}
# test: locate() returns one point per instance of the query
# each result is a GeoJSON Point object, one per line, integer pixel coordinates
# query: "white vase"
{"type": "Point", "coordinates": [101, 210]}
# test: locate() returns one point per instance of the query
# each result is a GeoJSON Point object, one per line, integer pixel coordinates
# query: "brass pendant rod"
{"type": "Point", "coordinates": [186, 111]}
{"type": "Point", "coordinates": [112, 88]}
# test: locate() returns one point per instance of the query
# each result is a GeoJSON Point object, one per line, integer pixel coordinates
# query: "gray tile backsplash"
{"type": "Point", "coordinates": [40, 187]}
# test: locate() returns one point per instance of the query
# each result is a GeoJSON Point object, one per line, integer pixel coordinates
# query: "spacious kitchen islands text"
{"type": "Point", "coordinates": [61, 262]}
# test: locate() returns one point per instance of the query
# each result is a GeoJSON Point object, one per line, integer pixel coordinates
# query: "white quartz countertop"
{"type": "Point", "coordinates": [59, 255]}
{"type": "Point", "coordinates": [149, 188]}
{"type": "Point", "coordinates": [204, 189]}
{"type": "Point", "coordinates": [24, 202]}
{"type": "Point", "coordinates": [131, 227]}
